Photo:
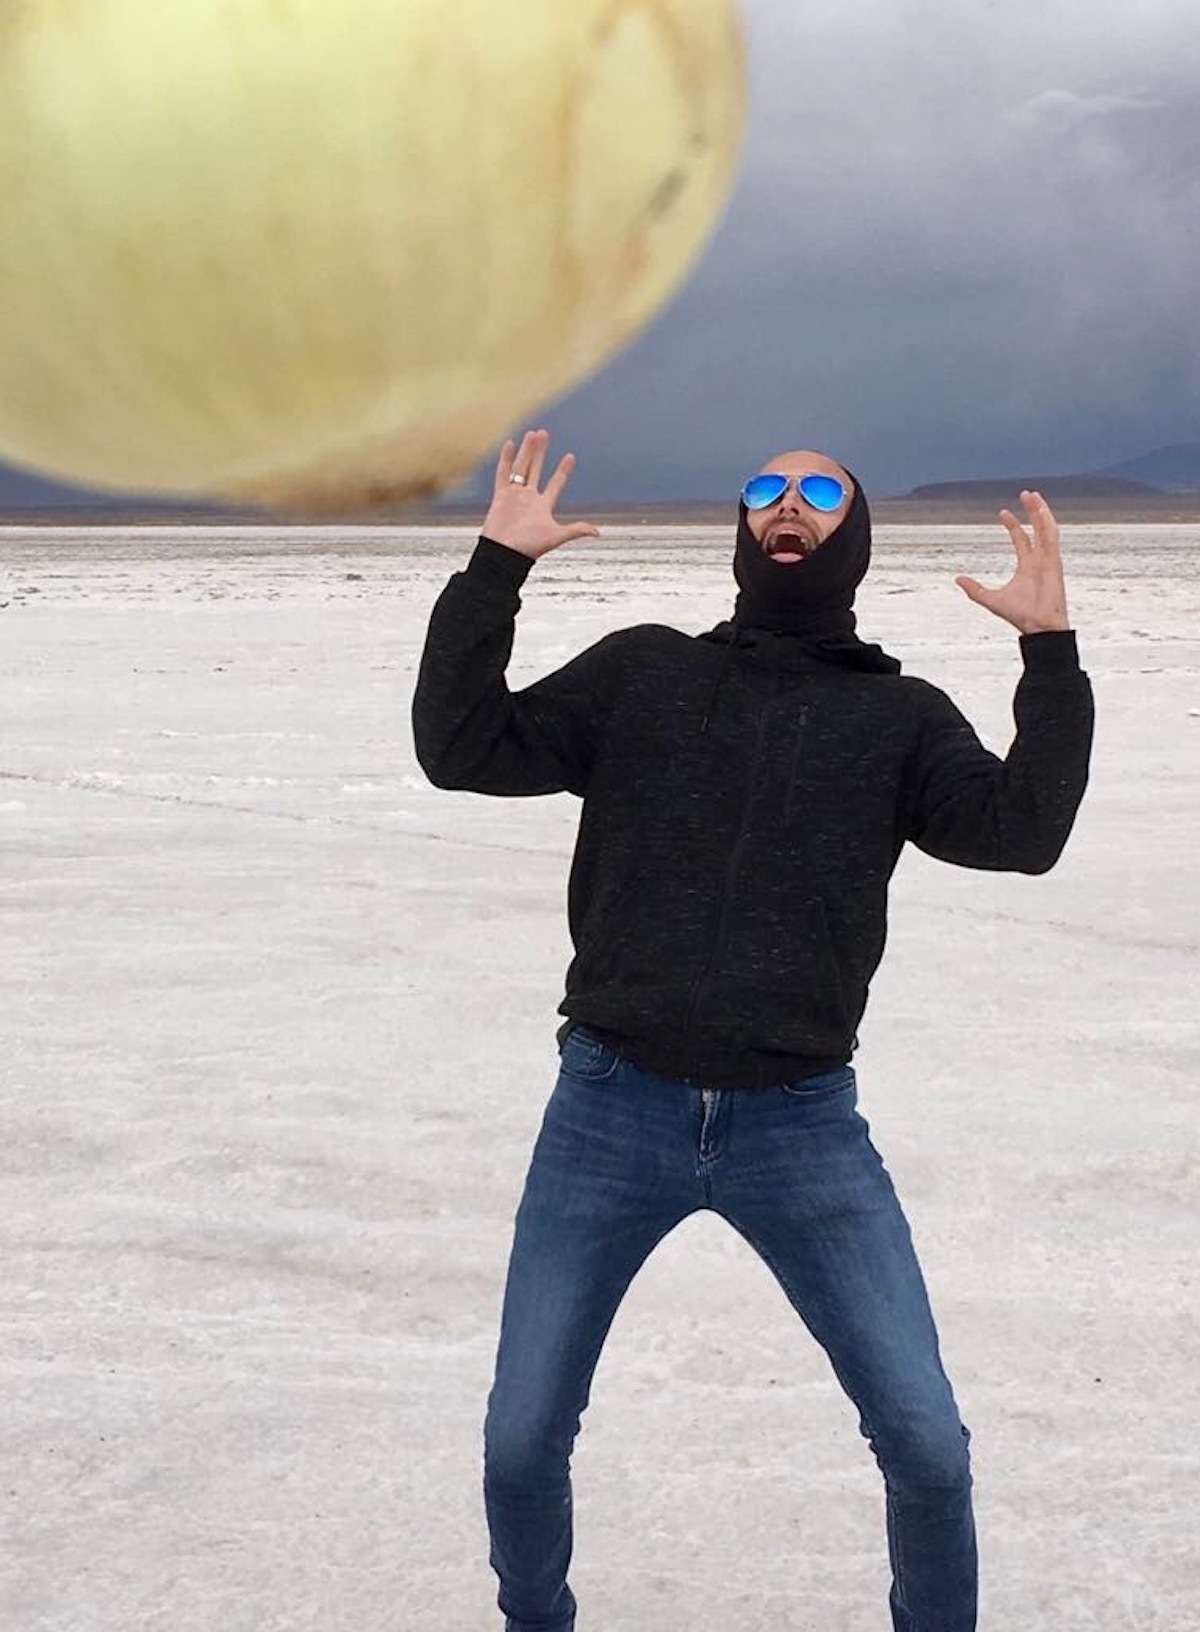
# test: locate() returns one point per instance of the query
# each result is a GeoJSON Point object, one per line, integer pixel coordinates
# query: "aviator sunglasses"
{"type": "Point", "coordinates": [822, 492]}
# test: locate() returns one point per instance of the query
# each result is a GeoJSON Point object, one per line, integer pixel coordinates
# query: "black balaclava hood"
{"type": "Point", "coordinates": [804, 605]}
{"type": "Point", "coordinates": [809, 597]}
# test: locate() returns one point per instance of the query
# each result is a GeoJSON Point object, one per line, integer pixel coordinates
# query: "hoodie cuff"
{"type": "Point", "coordinates": [497, 564]}
{"type": "Point", "coordinates": [1050, 651]}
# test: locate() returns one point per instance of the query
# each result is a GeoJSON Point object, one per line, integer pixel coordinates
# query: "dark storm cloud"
{"type": "Point", "coordinates": [964, 241]}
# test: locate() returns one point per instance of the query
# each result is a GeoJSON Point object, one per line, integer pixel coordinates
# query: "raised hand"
{"type": "Point", "coordinates": [522, 517]}
{"type": "Point", "coordinates": [1035, 598]}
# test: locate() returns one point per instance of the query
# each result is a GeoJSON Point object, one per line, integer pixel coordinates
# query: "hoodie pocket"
{"type": "Point", "coordinates": [778, 980]}
{"type": "Point", "coordinates": [607, 930]}
{"type": "Point", "coordinates": [833, 972]}
{"type": "Point", "coordinates": [794, 774]}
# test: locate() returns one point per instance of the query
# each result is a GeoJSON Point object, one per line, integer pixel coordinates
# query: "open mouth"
{"type": "Point", "coordinates": [786, 545]}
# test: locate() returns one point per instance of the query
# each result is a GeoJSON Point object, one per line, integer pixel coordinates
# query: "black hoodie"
{"type": "Point", "coordinates": [746, 796]}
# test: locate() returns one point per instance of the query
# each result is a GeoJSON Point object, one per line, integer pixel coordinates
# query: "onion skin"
{"type": "Point", "coordinates": [324, 254]}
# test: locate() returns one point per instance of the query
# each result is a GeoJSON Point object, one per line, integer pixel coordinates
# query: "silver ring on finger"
{"type": "Point", "coordinates": [520, 480]}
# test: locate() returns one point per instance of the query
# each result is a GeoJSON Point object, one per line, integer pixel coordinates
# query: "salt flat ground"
{"type": "Point", "coordinates": [278, 1035]}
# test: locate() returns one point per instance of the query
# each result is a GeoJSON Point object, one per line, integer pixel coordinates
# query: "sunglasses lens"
{"type": "Point", "coordinates": [823, 492]}
{"type": "Point", "coordinates": [760, 491]}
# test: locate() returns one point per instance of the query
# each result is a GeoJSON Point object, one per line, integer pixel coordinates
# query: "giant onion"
{"type": "Point", "coordinates": [311, 252]}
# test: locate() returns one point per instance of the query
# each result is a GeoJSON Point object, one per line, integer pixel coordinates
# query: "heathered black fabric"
{"type": "Point", "coordinates": [728, 893]}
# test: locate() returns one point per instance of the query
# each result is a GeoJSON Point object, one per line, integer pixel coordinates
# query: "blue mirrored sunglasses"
{"type": "Point", "coordinates": [822, 492]}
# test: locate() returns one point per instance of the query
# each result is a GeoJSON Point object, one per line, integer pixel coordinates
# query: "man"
{"type": "Point", "coordinates": [746, 796]}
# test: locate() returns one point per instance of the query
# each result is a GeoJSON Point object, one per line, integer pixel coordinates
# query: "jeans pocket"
{"type": "Point", "coordinates": [823, 1086]}
{"type": "Point", "coordinates": [587, 1057]}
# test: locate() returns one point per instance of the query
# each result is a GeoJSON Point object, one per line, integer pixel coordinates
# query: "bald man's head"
{"type": "Point", "coordinates": [791, 514]}
{"type": "Point", "coordinates": [797, 567]}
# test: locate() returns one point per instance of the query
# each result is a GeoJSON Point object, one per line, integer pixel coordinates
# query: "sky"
{"type": "Point", "coordinates": [964, 241]}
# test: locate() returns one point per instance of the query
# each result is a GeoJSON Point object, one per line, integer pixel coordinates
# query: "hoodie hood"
{"type": "Point", "coordinates": [782, 649]}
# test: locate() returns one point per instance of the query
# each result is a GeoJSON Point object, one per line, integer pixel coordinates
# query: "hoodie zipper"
{"type": "Point", "coordinates": [730, 870]}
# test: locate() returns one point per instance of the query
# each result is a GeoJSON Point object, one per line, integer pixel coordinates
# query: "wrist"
{"type": "Point", "coordinates": [500, 563]}
{"type": "Point", "coordinates": [506, 544]}
{"type": "Point", "coordinates": [1050, 651]}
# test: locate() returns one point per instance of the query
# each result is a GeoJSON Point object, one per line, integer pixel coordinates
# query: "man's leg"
{"type": "Point", "coordinates": [610, 1176]}
{"type": "Point", "coordinates": [804, 1185]}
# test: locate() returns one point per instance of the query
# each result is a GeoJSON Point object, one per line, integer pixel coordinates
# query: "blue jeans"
{"type": "Point", "coordinates": [622, 1157]}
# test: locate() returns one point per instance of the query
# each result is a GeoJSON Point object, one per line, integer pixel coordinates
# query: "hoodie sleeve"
{"type": "Point", "coordinates": [969, 807]}
{"type": "Point", "coordinates": [470, 732]}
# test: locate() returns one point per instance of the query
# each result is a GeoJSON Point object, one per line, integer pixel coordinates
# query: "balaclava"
{"type": "Point", "coordinates": [809, 597]}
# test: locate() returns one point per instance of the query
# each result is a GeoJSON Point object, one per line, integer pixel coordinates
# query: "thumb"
{"type": "Point", "coordinates": [579, 529]}
{"type": "Point", "coordinates": [975, 591]}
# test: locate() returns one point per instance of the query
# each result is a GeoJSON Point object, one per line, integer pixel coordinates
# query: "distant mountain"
{"type": "Point", "coordinates": [1169, 470]}
{"type": "Point", "coordinates": [1172, 470]}
{"type": "Point", "coordinates": [1166, 470]}
{"type": "Point", "coordinates": [1054, 487]}
{"type": "Point", "coordinates": [21, 491]}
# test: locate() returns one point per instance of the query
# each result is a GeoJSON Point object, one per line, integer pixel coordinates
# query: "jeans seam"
{"type": "Point", "coordinates": [898, 1561]}
{"type": "Point", "coordinates": [773, 1264]}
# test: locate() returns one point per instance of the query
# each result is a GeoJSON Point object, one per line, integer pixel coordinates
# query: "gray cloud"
{"type": "Point", "coordinates": [963, 242]}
